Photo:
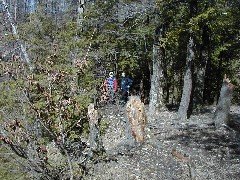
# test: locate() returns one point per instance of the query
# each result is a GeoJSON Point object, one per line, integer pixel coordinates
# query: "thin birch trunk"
{"type": "Point", "coordinates": [80, 14]}
{"type": "Point", "coordinates": [15, 11]}
{"type": "Point", "coordinates": [14, 31]}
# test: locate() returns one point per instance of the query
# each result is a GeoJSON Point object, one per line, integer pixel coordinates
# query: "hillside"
{"type": "Point", "coordinates": [55, 58]}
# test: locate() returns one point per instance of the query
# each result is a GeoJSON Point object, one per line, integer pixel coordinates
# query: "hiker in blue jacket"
{"type": "Point", "coordinates": [125, 86]}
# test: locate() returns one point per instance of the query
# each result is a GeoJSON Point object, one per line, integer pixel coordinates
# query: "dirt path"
{"type": "Point", "coordinates": [173, 150]}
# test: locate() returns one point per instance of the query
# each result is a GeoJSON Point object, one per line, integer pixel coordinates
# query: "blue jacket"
{"type": "Point", "coordinates": [125, 82]}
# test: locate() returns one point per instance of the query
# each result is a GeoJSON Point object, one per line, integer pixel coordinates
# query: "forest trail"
{"type": "Point", "coordinates": [118, 135]}
{"type": "Point", "coordinates": [172, 150]}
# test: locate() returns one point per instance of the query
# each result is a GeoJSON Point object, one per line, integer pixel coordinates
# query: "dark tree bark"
{"type": "Point", "coordinates": [221, 115]}
{"type": "Point", "coordinates": [201, 68]}
{"type": "Point", "coordinates": [145, 81]}
{"type": "Point", "coordinates": [187, 87]}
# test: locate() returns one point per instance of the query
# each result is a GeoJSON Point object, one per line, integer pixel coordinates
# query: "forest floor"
{"type": "Point", "coordinates": [173, 150]}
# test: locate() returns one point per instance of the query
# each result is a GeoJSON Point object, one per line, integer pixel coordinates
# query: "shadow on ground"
{"type": "Point", "coordinates": [211, 140]}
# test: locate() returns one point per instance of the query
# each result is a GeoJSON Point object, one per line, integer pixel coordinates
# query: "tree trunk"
{"type": "Point", "coordinates": [188, 96]}
{"type": "Point", "coordinates": [156, 90]}
{"type": "Point", "coordinates": [137, 118]}
{"type": "Point", "coordinates": [187, 87]}
{"type": "Point", "coordinates": [94, 134]}
{"type": "Point", "coordinates": [221, 115]}
{"type": "Point", "coordinates": [145, 81]}
{"type": "Point", "coordinates": [219, 80]}
{"type": "Point", "coordinates": [201, 69]}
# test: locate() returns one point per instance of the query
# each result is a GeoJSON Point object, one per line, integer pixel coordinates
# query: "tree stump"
{"type": "Point", "coordinates": [221, 114]}
{"type": "Point", "coordinates": [94, 134]}
{"type": "Point", "coordinates": [137, 118]}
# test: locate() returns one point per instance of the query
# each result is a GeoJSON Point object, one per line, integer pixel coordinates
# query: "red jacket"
{"type": "Point", "coordinates": [111, 83]}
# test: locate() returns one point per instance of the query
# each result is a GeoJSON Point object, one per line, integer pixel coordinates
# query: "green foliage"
{"type": "Point", "coordinates": [8, 168]}
{"type": "Point", "coordinates": [126, 41]}
{"type": "Point", "coordinates": [52, 98]}
{"type": "Point", "coordinates": [49, 95]}
{"type": "Point", "coordinates": [67, 60]}
{"type": "Point", "coordinates": [218, 20]}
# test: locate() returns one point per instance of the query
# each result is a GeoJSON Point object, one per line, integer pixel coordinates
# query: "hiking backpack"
{"type": "Point", "coordinates": [110, 82]}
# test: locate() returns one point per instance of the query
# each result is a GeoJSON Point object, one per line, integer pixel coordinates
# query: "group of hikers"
{"type": "Point", "coordinates": [110, 87]}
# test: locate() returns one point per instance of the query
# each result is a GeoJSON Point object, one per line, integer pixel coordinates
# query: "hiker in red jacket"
{"type": "Point", "coordinates": [111, 83]}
